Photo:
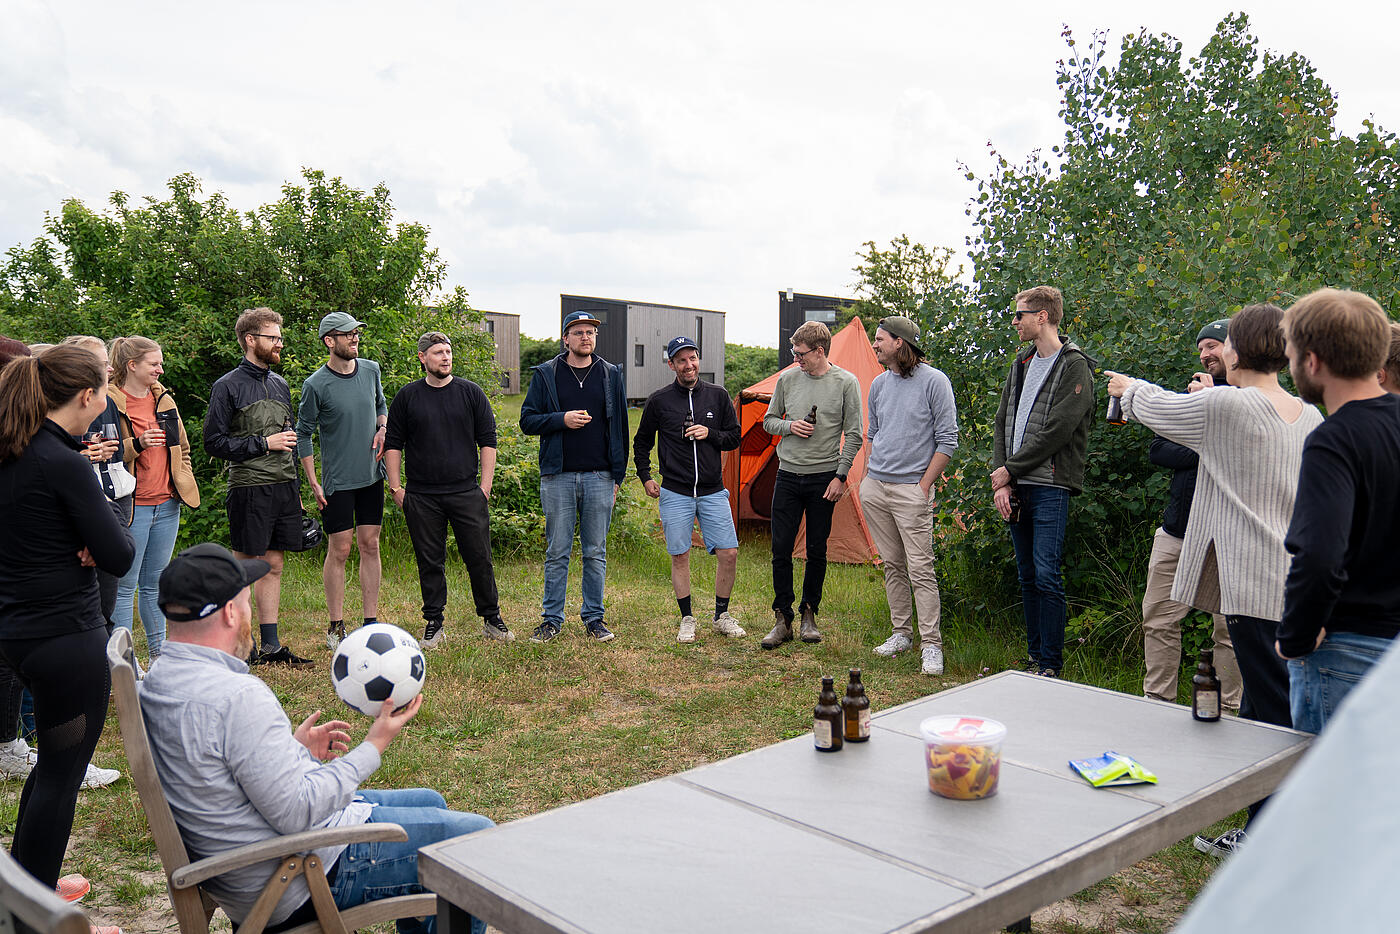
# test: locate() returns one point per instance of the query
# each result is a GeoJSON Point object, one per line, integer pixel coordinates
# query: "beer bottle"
{"type": "Point", "coordinates": [686, 425]}
{"type": "Point", "coordinates": [827, 727]}
{"type": "Point", "coordinates": [855, 707]}
{"type": "Point", "coordinates": [1115, 411]}
{"type": "Point", "coordinates": [811, 416]}
{"type": "Point", "coordinates": [1015, 508]}
{"type": "Point", "coordinates": [1205, 689]}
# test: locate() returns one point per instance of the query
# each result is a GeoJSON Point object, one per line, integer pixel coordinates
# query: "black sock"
{"type": "Point", "coordinates": [684, 604]}
{"type": "Point", "coordinates": [371, 619]}
{"type": "Point", "coordinates": [267, 634]}
{"type": "Point", "coordinates": [721, 606]}
{"type": "Point", "coordinates": [335, 623]}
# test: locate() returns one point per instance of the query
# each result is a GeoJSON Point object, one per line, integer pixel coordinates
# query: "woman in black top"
{"type": "Point", "coordinates": [57, 528]}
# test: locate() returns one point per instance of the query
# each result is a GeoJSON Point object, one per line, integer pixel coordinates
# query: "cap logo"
{"type": "Point", "coordinates": [208, 608]}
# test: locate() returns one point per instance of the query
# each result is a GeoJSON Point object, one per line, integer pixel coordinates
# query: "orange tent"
{"type": "Point", "coordinates": [750, 471]}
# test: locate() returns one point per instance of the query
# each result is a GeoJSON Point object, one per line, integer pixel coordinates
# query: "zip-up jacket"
{"type": "Point", "coordinates": [247, 404]}
{"type": "Point", "coordinates": [1057, 432]}
{"type": "Point", "coordinates": [540, 415]}
{"type": "Point", "coordinates": [181, 469]}
{"type": "Point", "coordinates": [690, 468]}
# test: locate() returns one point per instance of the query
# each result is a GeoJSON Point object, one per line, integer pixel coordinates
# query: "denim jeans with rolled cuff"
{"type": "Point", "coordinates": [1039, 539]}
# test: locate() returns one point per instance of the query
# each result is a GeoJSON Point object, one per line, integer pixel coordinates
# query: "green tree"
{"type": "Point", "coordinates": [180, 269]}
{"type": "Point", "coordinates": [907, 279]}
{"type": "Point", "coordinates": [533, 352]}
{"type": "Point", "coordinates": [745, 365]}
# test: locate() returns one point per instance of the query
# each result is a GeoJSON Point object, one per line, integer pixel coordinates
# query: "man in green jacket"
{"type": "Point", "coordinates": [1041, 437]}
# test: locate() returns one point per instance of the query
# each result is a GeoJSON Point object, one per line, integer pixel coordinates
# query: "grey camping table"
{"type": "Point", "coordinates": [785, 838]}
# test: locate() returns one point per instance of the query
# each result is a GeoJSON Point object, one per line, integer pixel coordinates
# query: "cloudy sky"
{"type": "Point", "coordinates": [705, 155]}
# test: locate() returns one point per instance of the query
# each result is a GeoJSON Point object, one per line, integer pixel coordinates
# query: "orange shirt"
{"type": "Point", "coordinates": [152, 464]}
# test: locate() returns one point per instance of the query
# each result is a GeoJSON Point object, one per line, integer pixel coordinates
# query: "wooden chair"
{"type": "Point", "coordinates": [25, 898]}
{"type": "Point", "coordinates": [193, 905]}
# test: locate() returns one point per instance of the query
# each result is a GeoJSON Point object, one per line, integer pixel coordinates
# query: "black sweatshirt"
{"type": "Point", "coordinates": [1345, 533]}
{"type": "Point", "coordinates": [54, 508]}
{"type": "Point", "coordinates": [439, 430]}
{"type": "Point", "coordinates": [691, 468]}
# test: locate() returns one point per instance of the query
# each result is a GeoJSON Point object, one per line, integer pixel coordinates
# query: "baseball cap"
{"type": "Point", "coordinates": [1216, 331]}
{"type": "Point", "coordinates": [432, 339]}
{"type": "Point", "coordinates": [203, 578]}
{"type": "Point", "coordinates": [678, 344]}
{"type": "Point", "coordinates": [904, 329]}
{"type": "Point", "coordinates": [580, 317]}
{"type": "Point", "coordinates": [338, 321]}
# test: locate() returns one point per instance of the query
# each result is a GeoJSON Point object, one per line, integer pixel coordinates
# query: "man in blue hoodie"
{"type": "Point", "coordinates": [577, 404]}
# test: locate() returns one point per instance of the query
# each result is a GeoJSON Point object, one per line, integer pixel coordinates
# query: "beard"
{"type": "Point", "coordinates": [267, 356]}
{"type": "Point", "coordinates": [440, 373]}
{"type": "Point", "coordinates": [245, 639]}
{"type": "Point", "coordinates": [1308, 390]}
{"type": "Point", "coordinates": [345, 353]}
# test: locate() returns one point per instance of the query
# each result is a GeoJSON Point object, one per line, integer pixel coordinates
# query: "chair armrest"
{"type": "Point", "coordinates": [282, 847]}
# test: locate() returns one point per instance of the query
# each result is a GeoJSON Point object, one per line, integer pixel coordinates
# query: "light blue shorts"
{"type": "Point", "coordinates": [678, 515]}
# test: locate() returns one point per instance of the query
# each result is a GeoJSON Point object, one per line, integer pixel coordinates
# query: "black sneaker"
{"type": "Point", "coordinates": [433, 634]}
{"type": "Point", "coordinates": [253, 655]}
{"type": "Point", "coordinates": [544, 632]}
{"type": "Point", "coordinates": [495, 628]}
{"type": "Point", "coordinates": [334, 633]}
{"type": "Point", "coordinates": [1048, 673]}
{"type": "Point", "coordinates": [1028, 665]}
{"type": "Point", "coordinates": [600, 632]}
{"type": "Point", "coordinates": [283, 656]}
{"type": "Point", "coordinates": [1227, 844]}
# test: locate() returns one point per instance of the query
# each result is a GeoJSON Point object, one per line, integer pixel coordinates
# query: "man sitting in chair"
{"type": "Point", "coordinates": [235, 772]}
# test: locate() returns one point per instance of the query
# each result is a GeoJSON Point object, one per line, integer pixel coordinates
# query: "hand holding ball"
{"type": "Point", "coordinates": [376, 663]}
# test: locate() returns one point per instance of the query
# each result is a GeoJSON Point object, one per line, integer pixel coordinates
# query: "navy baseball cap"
{"type": "Point", "coordinates": [580, 317]}
{"type": "Point", "coordinates": [678, 344]}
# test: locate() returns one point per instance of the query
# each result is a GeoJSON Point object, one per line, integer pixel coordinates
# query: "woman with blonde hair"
{"type": "Point", "coordinates": [157, 451]}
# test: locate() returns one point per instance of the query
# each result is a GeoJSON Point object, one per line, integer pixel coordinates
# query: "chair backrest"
{"type": "Point", "coordinates": [189, 905]}
{"type": "Point", "coordinates": [24, 897]}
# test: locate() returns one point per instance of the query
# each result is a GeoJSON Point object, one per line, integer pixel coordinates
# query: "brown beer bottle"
{"type": "Point", "coordinates": [1115, 411]}
{"type": "Point", "coordinates": [827, 727]}
{"type": "Point", "coordinates": [686, 425]}
{"type": "Point", "coordinates": [1205, 689]}
{"type": "Point", "coordinates": [811, 416]}
{"type": "Point", "coordinates": [855, 707]}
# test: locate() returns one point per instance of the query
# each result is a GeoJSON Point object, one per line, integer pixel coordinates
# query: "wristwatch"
{"type": "Point", "coordinates": [841, 477]}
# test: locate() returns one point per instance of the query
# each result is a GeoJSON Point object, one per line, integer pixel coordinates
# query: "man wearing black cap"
{"type": "Point", "coordinates": [343, 401]}
{"type": "Point", "coordinates": [912, 429]}
{"type": "Point", "coordinates": [235, 772]}
{"type": "Point", "coordinates": [577, 404]}
{"type": "Point", "coordinates": [443, 422]}
{"type": "Point", "coordinates": [1161, 615]}
{"type": "Point", "coordinates": [696, 422]}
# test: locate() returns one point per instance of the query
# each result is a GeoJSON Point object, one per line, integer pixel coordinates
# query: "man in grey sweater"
{"type": "Point", "coordinates": [815, 410]}
{"type": "Point", "coordinates": [913, 430]}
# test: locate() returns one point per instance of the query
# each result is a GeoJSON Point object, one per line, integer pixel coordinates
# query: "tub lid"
{"type": "Point", "coordinates": [962, 729]}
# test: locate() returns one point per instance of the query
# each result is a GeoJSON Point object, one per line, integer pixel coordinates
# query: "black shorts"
{"type": "Point", "coordinates": [346, 509]}
{"type": "Point", "coordinates": [264, 518]}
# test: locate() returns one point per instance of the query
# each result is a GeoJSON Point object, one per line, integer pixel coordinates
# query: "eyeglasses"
{"type": "Point", "coordinates": [355, 333]}
{"type": "Point", "coordinates": [275, 338]}
{"type": "Point", "coordinates": [799, 355]}
{"type": "Point", "coordinates": [583, 332]}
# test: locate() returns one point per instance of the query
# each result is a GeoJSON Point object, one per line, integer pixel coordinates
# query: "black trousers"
{"type": "Point", "coordinates": [1262, 673]}
{"type": "Point", "coordinates": [69, 680]}
{"type": "Point", "coordinates": [795, 496]}
{"type": "Point", "coordinates": [429, 515]}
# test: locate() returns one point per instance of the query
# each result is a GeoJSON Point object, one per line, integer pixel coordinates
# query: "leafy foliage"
{"type": "Point", "coordinates": [745, 365]}
{"type": "Point", "coordinates": [179, 271]}
{"type": "Point", "coordinates": [533, 352]}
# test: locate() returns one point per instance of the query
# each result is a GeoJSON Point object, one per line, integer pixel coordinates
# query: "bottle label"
{"type": "Point", "coordinates": [1208, 705]}
{"type": "Point", "coordinates": [863, 724]}
{"type": "Point", "coordinates": [821, 733]}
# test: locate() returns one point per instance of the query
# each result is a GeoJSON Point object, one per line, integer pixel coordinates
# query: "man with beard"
{"type": "Point", "coordinates": [1341, 605]}
{"type": "Point", "coordinates": [236, 773]}
{"type": "Point", "coordinates": [1161, 615]}
{"type": "Point", "coordinates": [696, 422]}
{"type": "Point", "coordinates": [344, 402]}
{"type": "Point", "coordinates": [1389, 374]}
{"type": "Point", "coordinates": [445, 424]}
{"type": "Point", "coordinates": [912, 428]}
{"type": "Point", "coordinates": [249, 424]}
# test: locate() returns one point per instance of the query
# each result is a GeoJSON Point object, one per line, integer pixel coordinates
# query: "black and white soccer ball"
{"type": "Point", "coordinates": [376, 663]}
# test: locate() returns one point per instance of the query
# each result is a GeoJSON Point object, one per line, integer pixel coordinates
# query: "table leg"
{"type": "Point", "coordinates": [451, 919]}
{"type": "Point", "coordinates": [1019, 927]}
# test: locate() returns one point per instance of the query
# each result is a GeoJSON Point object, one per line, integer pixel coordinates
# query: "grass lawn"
{"type": "Point", "coordinates": [511, 729]}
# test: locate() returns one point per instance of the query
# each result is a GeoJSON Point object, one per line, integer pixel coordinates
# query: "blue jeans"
{"type": "Point", "coordinates": [1318, 682]}
{"type": "Point", "coordinates": [153, 532]}
{"type": "Point", "coordinates": [367, 872]}
{"type": "Point", "coordinates": [585, 499]}
{"type": "Point", "coordinates": [1039, 540]}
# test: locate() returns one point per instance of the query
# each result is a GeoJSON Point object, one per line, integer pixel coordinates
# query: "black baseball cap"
{"type": "Point", "coordinates": [678, 344]}
{"type": "Point", "coordinates": [1216, 330]}
{"type": "Point", "coordinates": [203, 578]}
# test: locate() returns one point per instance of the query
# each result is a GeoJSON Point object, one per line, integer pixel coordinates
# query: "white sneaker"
{"type": "Point", "coordinates": [687, 633]}
{"type": "Point", "coordinates": [99, 778]}
{"type": "Point", "coordinates": [894, 645]}
{"type": "Point", "coordinates": [933, 660]}
{"type": "Point", "coordinates": [16, 759]}
{"type": "Point", "coordinates": [727, 625]}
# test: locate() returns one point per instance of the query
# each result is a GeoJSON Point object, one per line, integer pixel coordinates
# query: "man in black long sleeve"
{"type": "Point", "coordinates": [1161, 615]}
{"type": "Point", "coordinates": [696, 422]}
{"type": "Point", "coordinates": [442, 421]}
{"type": "Point", "coordinates": [1341, 608]}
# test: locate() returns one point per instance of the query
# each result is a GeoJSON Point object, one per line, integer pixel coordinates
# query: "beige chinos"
{"type": "Point", "coordinates": [900, 519]}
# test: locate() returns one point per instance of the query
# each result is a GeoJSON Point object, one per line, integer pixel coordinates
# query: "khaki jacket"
{"type": "Point", "coordinates": [181, 469]}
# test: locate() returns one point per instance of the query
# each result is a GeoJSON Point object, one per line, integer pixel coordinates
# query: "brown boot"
{"type": "Point", "coordinates": [809, 626]}
{"type": "Point", "coordinates": [781, 632]}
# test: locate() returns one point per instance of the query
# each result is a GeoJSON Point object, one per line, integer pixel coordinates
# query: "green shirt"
{"type": "Point", "coordinates": [840, 424]}
{"type": "Point", "coordinates": [344, 410]}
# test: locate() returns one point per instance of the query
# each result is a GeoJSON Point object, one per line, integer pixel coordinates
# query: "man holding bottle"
{"type": "Point", "coordinates": [696, 422]}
